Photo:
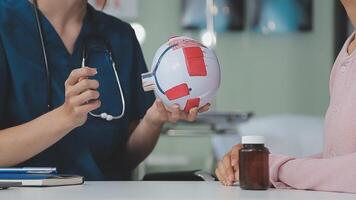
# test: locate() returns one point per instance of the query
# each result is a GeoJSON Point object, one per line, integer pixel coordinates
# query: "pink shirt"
{"type": "Point", "coordinates": [335, 168]}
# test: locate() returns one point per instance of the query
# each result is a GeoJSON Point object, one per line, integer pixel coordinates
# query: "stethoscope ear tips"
{"type": "Point", "coordinates": [106, 117]}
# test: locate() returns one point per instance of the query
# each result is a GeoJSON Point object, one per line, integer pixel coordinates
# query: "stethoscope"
{"type": "Point", "coordinates": [105, 116]}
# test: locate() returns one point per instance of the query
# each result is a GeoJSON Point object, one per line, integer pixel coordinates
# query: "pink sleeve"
{"type": "Point", "coordinates": [335, 174]}
{"type": "Point", "coordinates": [319, 155]}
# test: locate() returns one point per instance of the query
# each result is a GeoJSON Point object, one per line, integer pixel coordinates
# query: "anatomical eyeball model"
{"type": "Point", "coordinates": [183, 72]}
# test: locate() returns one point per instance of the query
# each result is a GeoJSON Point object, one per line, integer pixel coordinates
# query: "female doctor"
{"type": "Point", "coordinates": [94, 121]}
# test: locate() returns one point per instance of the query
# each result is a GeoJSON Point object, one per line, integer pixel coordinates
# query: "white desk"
{"type": "Point", "coordinates": [160, 190]}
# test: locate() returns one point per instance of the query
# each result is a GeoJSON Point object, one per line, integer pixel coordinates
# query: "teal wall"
{"type": "Point", "coordinates": [265, 74]}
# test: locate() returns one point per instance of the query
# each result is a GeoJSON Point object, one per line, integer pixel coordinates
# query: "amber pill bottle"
{"type": "Point", "coordinates": [254, 164]}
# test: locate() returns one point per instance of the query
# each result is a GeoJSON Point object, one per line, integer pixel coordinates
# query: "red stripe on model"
{"type": "Point", "coordinates": [194, 59]}
{"type": "Point", "coordinates": [177, 92]}
{"type": "Point", "coordinates": [191, 103]}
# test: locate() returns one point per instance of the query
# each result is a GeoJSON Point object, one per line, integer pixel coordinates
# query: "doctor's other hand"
{"type": "Point", "coordinates": [159, 114]}
{"type": "Point", "coordinates": [81, 96]}
{"type": "Point", "coordinates": [227, 169]}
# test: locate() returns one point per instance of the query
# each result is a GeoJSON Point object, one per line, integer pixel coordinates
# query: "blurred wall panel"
{"type": "Point", "coordinates": [267, 74]}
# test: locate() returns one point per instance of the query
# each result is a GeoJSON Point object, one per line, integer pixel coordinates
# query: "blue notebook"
{"type": "Point", "coordinates": [29, 170]}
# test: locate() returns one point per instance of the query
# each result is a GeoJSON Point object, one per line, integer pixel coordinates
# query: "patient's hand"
{"type": "Point", "coordinates": [227, 169]}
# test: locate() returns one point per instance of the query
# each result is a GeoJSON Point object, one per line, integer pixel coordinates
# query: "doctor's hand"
{"type": "Point", "coordinates": [227, 169]}
{"type": "Point", "coordinates": [159, 114]}
{"type": "Point", "coordinates": [81, 96]}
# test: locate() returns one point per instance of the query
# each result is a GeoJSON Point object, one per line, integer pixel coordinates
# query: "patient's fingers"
{"type": "Point", "coordinates": [234, 155]}
{"type": "Point", "coordinates": [237, 175]}
{"type": "Point", "coordinates": [221, 172]}
{"type": "Point", "coordinates": [229, 172]}
{"type": "Point", "coordinates": [218, 175]}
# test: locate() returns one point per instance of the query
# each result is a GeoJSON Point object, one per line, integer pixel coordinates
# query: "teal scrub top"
{"type": "Point", "coordinates": [95, 150]}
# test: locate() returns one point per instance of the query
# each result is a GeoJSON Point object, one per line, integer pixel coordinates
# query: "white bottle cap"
{"type": "Point", "coordinates": [253, 140]}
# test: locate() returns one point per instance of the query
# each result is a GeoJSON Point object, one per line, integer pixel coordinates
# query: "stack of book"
{"type": "Point", "coordinates": [40, 177]}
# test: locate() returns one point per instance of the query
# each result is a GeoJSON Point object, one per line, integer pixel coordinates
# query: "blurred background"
{"type": "Point", "coordinates": [275, 56]}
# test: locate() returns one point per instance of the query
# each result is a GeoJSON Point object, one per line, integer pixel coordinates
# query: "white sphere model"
{"type": "Point", "coordinates": [183, 72]}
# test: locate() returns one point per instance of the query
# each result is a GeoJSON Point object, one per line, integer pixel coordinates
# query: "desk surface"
{"type": "Point", "coordinates": [160, 190]}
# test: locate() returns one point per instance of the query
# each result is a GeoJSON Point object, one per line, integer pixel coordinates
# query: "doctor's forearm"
{"type": "Point", "coordinates": [20, 143]}
{"type": "Point", "coordinates": [142, 141]}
